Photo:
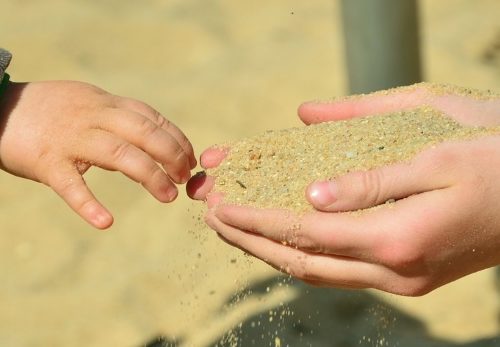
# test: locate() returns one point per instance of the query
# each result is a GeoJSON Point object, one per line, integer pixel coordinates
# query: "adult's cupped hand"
{"type": "Point", "coordinates": [445, 223]}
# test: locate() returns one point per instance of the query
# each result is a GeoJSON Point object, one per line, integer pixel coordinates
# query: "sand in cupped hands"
{"type": "Point", "coordinates": [273, 170]}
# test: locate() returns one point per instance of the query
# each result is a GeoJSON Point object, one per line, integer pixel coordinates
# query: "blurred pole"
{"type": "Point", "coordinates": [381, 43]}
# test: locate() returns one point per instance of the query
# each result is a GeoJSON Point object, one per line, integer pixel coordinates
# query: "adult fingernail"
{"type": "Point", "coordinates": [322, 194]}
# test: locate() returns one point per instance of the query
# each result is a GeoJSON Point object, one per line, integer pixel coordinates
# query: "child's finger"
{"type": "Point", "coordinates": [69, 184]}
{"type": "Point", "coordinates": [152, 139]}
{"type": "Point", "coordinates": [113, 153]}
{"type": "Point", "coordinates": [162, 122]}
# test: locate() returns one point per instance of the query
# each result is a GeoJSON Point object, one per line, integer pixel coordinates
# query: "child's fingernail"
{"type": "Point", "coordinates": [322, 194]}
{"type": "Point", "coordinates": [185, 177]}
{"type": "Point", "coordinates": [192, 163]}
{"type": "Point", "coordinates": [101, 219]}
{"type": "Point", "coordinates": [172, 194]}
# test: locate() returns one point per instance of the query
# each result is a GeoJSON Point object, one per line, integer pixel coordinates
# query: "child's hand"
{"type": "Point", "coordinates": [53, 132]}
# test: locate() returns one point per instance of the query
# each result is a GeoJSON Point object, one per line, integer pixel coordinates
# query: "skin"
{"type": "Point", "coordinates": [53, 132]}
{"type": "Point", "coordinates": [445, 223]}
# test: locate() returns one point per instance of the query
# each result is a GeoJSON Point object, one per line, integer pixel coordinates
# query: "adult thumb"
{"type": "Point", "coordinates": [364, 189]}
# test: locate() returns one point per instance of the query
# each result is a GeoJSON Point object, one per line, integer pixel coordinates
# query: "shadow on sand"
{"type": "Point", "coordinates": [320, 317]}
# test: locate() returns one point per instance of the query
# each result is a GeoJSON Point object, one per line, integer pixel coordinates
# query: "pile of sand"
{"type": "Point", "coordinates": [272, 170]}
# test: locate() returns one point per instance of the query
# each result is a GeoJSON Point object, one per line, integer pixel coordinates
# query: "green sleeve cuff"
{"type": "Point", "coordinates": [4, 84]}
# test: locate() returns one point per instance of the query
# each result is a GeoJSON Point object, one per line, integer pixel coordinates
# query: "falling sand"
{"type": "Point", "coordinates": [273, 170]}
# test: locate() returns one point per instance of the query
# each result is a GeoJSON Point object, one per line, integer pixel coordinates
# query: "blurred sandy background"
{"type": "Point", "coordinates": [220, 70]}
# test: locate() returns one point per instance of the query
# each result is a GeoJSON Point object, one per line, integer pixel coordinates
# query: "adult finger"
{"type": "Point", "coordinates": [363, 189]}
{"type": "Point", "coordinates": [364, 105]}
{"type": "Point", "coordinates": [336, 271]}
{"type": "Point", "coordinates": [113, 153]}
{"type": "Point", "coordinates": [213, 156]}
{"type": "Point", "coordinates": [162, 122]}
{"type": "Point", "coordinates": [400, 239]}
{"type": "Point", "coordinates": [67, 182]}
{"type": "Point", "coordinates": [199, 186]}
{"type": "Point", "coordinates": [214, 199]}
{"type": "Point", "coordinates": [151, 138]}
{"type": "Point", "coordinates": [376, 236]}
{"type": "Point", "coordinates": [316, 232]}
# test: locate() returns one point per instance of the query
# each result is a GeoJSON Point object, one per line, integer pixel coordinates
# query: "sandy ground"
{"type": "Point", "coordinates": [220, 70]}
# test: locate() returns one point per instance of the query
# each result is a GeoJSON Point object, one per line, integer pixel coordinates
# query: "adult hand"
{"type": "Point", "coordinates": [53, 132]}
{"type": "Point", "coordinates": [444, 225]}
